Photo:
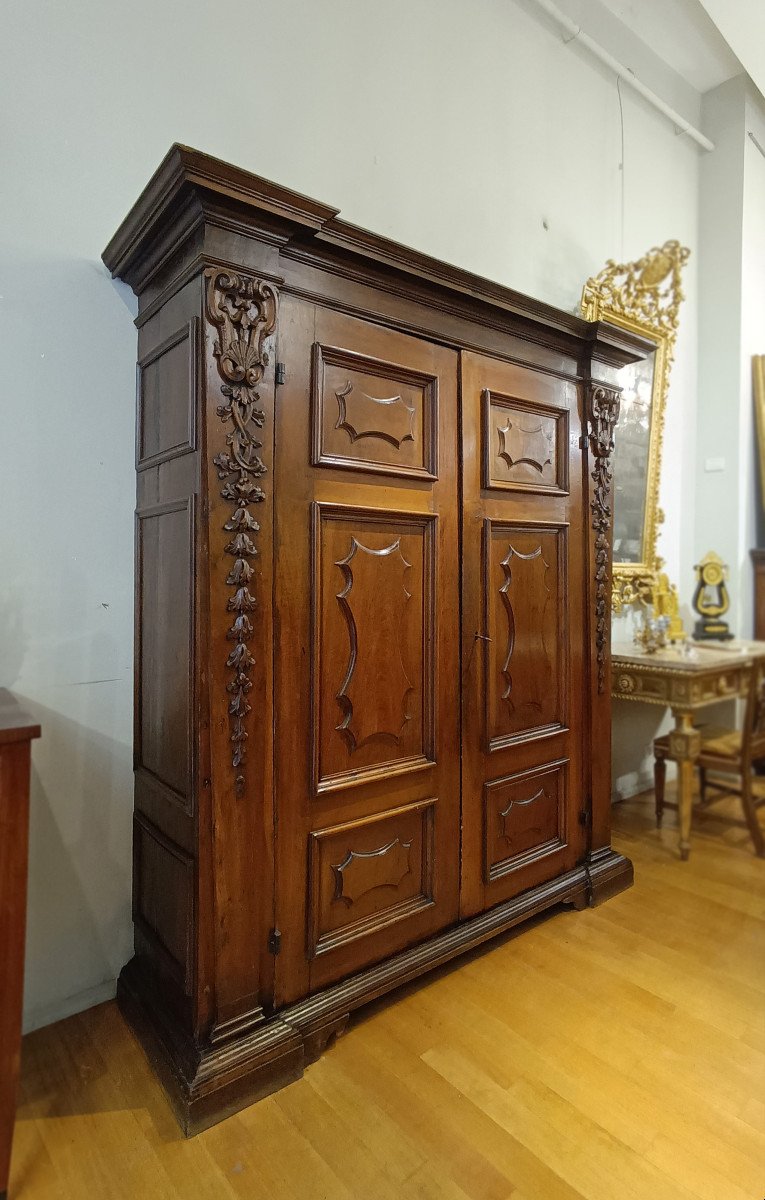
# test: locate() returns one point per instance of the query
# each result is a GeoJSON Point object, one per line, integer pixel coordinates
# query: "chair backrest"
{"type": "Point", "coordinates": [753, 740]}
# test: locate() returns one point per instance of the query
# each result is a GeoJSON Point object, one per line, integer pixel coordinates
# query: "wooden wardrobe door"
{"type": "Point", "coordinates": [367, 645]}
{"type": "Point", "coordinates": [524, 630]}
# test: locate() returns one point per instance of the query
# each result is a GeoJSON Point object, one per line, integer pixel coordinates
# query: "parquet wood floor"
{"type": "Point", "coordinates": [615, 1053]}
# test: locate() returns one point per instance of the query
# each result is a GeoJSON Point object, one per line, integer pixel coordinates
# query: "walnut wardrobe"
{"type": "Point", "coordinates": [372, 712]}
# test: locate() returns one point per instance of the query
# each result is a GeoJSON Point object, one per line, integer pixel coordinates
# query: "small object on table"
{"type": "Point", "coordinates": [651, 634]}
{"type": "Point", "coordinates": [710, 599]}
{"type": "Point", "coordinates": [17, 729]}
{"type": "Point", "coordinates": [666, 603]}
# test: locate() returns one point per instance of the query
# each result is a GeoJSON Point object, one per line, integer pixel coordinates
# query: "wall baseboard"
{"type": "Point", "coordinates": [632, 784]}
{"type": "Point", "coordinates": [38, 1018]}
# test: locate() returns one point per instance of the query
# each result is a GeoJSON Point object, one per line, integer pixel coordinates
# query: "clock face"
{"type": "Point", "coordinates": [712, 574]}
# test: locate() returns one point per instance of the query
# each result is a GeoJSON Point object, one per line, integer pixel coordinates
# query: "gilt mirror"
{"type": "Point", "coordinates": [643, 297]}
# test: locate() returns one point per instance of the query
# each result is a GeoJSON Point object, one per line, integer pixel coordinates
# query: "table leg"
{"type": "Point", "coordinates": [685, 747]}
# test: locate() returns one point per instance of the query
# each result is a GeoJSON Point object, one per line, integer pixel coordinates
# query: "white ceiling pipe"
{"type": "Point", "coordinates": [757, 143]}
{"type": "Point", "coordinates": [575, 33]}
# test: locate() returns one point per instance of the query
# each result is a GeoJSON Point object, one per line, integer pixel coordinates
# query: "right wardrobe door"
{"type": "Point", "coordinates": [524, 631]}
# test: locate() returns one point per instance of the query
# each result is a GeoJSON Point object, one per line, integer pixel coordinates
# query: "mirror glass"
{"type": "Point", "coordinates": [630, 461]}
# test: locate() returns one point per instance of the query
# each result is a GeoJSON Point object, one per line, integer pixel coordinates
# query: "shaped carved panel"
{"type": "Point", "coordinates": [389, 419]}
{"type": "Point", "coordinates": [525, 445]}
{"type": "Point", "coordinates": [370, 415]}
{"type": "Point", "coordinates": [377, 576]}
{"type": "Point", "coordinates": [363, 871]}
{"type": "Point", "coordinates": [367, 874]}
{"type": "Point", "coordinates": [524, 818]}
{"type": "Point", "coordinates": [373, 657]}
{"type": "Point", "coordinates": [527, 627]}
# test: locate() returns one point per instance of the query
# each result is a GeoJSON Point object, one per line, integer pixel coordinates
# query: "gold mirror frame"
{"type": "Point", "coordinates": [643, 297]}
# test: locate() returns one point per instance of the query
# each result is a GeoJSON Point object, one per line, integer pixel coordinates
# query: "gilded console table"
{"type": "Point", "coordinates": [685, 683]}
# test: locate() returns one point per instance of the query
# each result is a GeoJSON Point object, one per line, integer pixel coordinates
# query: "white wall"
{"type": "Point", "coordinates": [752, 341]}
{"type": "Point", "coordinates": [732, 329]}
{"type": "Point", "coordinates": [466, 130]}
{"type": "Point", "coordinates": [713, 509]}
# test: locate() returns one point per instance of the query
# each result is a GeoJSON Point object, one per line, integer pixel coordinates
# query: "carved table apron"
{"type": "Point", "coordinates": [685, 685]}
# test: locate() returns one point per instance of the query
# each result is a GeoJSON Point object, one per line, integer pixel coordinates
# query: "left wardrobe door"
{"type": "Point", "coordinates": [366, 608]}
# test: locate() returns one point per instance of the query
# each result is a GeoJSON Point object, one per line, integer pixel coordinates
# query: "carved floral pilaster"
{"type": "Point", "coordinates": [244, 311]}
{"type": "Point", "coordinates": [602, 415]}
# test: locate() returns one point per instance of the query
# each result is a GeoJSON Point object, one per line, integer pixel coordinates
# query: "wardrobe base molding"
{"type": "Point", "coordinates": [206, 1084]}
{"type": "Point", "coordinates": [609, 873]}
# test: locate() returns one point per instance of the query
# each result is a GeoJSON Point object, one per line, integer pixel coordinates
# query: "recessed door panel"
{"type": "Point", "coordinates": [525, 819]}
{"type": "Point", "coordinates": [524, 588]}
{"type": "Point", "coordinates": [373, 663]}
{"type": "Point", "coordinates": [373, 416]}
{"type": "Point", "coordinates": [369, 874]}
{"type": "Point", "coordinates": [524, 445]}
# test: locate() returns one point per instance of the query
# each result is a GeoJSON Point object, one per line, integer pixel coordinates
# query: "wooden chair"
{"type": "Point", "coordinates": [729, 752]}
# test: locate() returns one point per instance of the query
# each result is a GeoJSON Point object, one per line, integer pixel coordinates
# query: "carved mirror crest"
{"type": "Point", "coordinates": [643, 297]}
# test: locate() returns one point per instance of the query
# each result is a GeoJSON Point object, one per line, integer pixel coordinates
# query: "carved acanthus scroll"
{"type": "Point", "coordinates": [244, 311]}
{"type": "Point", "coordinates": [603, 413]}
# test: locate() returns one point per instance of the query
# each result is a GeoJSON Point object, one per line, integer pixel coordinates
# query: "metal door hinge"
{"type": "Point", "coordinates": [281, 373]}
{"type": "Point", "coordinates": [275, 941]}
{"type": "Point", "coordinates": [585, 818]}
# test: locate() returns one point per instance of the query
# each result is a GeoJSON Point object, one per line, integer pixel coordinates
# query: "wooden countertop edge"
{"type": "Point", "coordinates": [719, 658]}
{"type": "Point", "coordinates": [15, 724]}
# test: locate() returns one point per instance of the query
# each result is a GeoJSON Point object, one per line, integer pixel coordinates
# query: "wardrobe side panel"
{"type": "Point", "coordinates": [166, 666]}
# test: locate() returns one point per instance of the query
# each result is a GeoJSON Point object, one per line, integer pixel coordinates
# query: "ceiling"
{"type": "Point", "coordinates": [686, 37]}
{"type": "Point", "coordinates": [742, 24]}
